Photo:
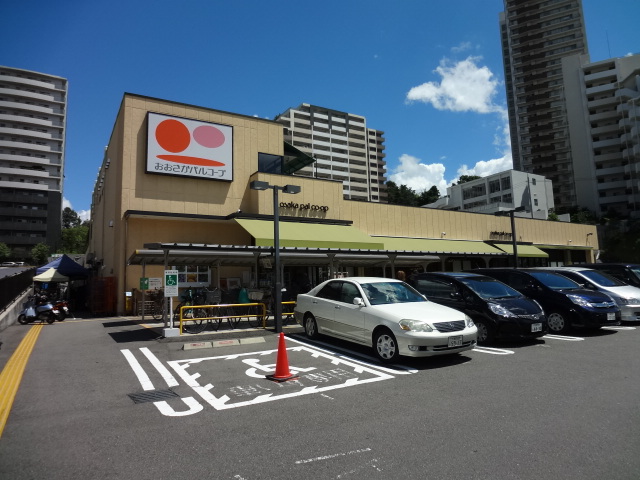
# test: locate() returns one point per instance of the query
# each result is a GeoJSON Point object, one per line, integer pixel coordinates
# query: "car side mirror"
{"type": "Point", "coordinates": [358, 301]}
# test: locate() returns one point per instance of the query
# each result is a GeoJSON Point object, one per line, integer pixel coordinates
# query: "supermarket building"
{"type": "Point", "coordinates": [174, 191]}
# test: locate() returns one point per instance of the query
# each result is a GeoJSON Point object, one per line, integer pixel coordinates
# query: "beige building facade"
{"type": "Point", "coordinates": [173, 191]}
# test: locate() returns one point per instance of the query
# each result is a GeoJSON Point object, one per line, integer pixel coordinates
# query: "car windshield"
{"type": "Point", "coordinates": [381, 293]}
{"type": "Point", "coordinates": [555, 281]}
{"type": "Point", "coordinates": [635, 271]}
{"type": "Point", "coordinates": [489, 288]}
{"type": "Point", "coordinates": [602, 279]}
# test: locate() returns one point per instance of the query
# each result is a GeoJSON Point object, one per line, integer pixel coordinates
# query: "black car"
{"type": "Point", "coordinates": [565, 302]}
{"type": "Point", "coordinates": [629, 273]}
{"type": "Point", "coordinates": [498, 310]}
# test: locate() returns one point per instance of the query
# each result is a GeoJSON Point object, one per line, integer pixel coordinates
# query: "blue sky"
{"type": "Point", "coordinates": [428, 73]}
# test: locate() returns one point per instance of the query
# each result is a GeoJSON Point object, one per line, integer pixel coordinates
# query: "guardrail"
{"type": "Point", "coordinates": [12, 286]}
{"type": "Point", "coordinates": [197, 318]}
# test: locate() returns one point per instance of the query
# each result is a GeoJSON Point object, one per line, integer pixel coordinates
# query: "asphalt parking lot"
{"type": "Point", "coordinates": [106, 398]}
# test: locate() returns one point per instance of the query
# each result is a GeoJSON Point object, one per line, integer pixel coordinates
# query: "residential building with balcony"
{"type": "Point", "coordinates": [536, 35]}
{"type": "Point", "coordinates": [343, 146]}
{"type": "Point", "coordinates": [603, 106]}
{"type": "Point", "coordinates": [33, 110]}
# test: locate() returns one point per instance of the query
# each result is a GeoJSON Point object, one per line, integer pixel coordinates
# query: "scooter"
{"type": "Point", "coordinates": [63, 309]}
{"type": "Point", "coordinates": [38, 308]}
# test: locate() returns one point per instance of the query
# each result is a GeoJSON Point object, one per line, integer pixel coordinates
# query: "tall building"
{"type": "Point", "coordinates": [536, 35]}
{"type": "Point", "coordinates": [344, 147]}
{"type": "Point", "coordinates": [33, 110]}
{"type": "Point", "coordinates": [603, 106]}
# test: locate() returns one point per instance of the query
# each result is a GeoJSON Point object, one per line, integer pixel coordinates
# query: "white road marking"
{"type": "Point", "coordinates": [493, 351]}
{"type": "Point", "coordinates": [618, 328]}
{"type": "Point", "coordinates": [143, 378]}
{"type": "Point", "coordinates": [168, 410]}
{"type": "Point", "coordinates": [407, 370]}
{"type": "Point", "coordinates": [329, 457]}
{"type": "Point", "coordinates": [564, 337]}
{"type": "Point", "coordinates": [164, 371]}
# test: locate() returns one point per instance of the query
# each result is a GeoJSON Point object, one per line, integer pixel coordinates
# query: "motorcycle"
{"type": "Point", "coordinates": [38, 308]}
{"type": "Point", "coordinates": [63, 309]}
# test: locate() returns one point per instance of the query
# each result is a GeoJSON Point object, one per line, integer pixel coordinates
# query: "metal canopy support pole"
{"type": "Point", "coordinates": [514, 239]}
{"type": "Point", "coordinates": [277, 308]}
{"type": "Point", "coordinates": [144, 269]}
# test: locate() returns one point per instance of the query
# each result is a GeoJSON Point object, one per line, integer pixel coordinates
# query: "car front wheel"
{"type": "Point", "coordinates": [485, 335]}
{"type": "Point", "coordinates": [558, 323]}
{"type": "Point", "coordinates": [310, 326]}
{"type": "Point", "coordinates": [385, 346]}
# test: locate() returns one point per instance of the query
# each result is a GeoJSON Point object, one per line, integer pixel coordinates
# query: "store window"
{"type": "Point", "coordinates": [193, 275]}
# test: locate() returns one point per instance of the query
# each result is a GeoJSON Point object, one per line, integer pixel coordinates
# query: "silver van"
{"type": "Point", "coordinates": [626, 296]}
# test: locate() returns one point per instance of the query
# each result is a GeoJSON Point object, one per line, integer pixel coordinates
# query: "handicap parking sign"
{"type": "Point", "coordinates": [171, 283]}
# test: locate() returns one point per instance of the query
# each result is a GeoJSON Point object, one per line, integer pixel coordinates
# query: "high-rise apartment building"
{"type": "Point", "coordinates": [344, 147]}
{"type": "Point", "coordinates": [536, 36]}
{"type": "Point", "coordinates": [603, 106]}
{"type": "Point", "coordinates": [33, 110]}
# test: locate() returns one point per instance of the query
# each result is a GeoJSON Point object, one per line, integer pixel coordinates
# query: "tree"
{"type": "Point", "coordinates": [70, 218]}
{"type": "Point", "coordinates": [428, 196]}
{"type": "Point", "coordinates": [40, 253]}
{"type": "Point", "coordinates": [74, 240]}
{"type": "Point", "coordinates": [465, 179]}
{"type": "Point", "coordinates": [5, 251]}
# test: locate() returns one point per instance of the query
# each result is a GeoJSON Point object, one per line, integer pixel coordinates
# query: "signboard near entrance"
{"type": "Point", "coordinates": [171, 283]}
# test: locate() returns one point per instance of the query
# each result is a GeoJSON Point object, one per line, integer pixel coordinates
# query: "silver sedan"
{"type": "Point", "coordinates": [385, 314]}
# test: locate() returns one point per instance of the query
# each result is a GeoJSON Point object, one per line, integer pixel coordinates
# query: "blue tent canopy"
{"type": "Point", "coordinates": [66, 266]}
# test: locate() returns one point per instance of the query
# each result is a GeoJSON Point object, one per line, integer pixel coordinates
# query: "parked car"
{"type": "Point", "coordinates": [497, 310]}
{"type": "Point", "coordinates": [386, 314]}
{"type": "Point", "coordinates": [564, 302]}
{"type": "Point", "coordinates": [626, 296]}
{"type": "Point", "coordinates": [7, 264]}
{"type": "Point", "coordinates": [627, 272]}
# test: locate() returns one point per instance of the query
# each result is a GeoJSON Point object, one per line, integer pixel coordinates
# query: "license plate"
{"type": "Point", "coordinates": [611, 316]}
{"type": "Point", "coordinates": [455, 341]}
{"type": "Point", "coordinates": [536, 327]}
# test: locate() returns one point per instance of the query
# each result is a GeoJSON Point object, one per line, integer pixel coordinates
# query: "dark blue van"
{"type": "Point", "coordinates": [565, 302]}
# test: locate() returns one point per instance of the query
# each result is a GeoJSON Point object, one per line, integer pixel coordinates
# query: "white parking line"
{"type": "Point", "coordinates": [493, 351]}
{"type": "Point", "coordinates": [397, 370]}
{"type": "Point", "coordinates": [618, 328]}
{"type": "Point", "coordinates": [564, 337]}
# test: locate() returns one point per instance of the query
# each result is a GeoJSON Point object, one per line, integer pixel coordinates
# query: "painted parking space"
{"type": "Point", "coordinates": [318, 372]}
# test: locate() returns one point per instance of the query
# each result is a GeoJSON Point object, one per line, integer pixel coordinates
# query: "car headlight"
{"type": "Point", "coordinates": [629, 301]}
{"type": "Point", "coordinates": [500, 310]}
{"type": "Point", "coordinates": [578, 300]}
{"type": "Point", "coordinates": [415, 326]}
{"type": "Point", "coordinates": [468, 321]}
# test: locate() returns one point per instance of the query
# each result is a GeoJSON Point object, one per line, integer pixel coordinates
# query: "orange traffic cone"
{"type": "Point", "coordinates": [282, 364]}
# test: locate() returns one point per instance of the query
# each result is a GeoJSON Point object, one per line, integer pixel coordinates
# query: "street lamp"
{"type": "Point", "coordinates": [510, 213]}
{"type": "Point", "coordinates": [293, 189]}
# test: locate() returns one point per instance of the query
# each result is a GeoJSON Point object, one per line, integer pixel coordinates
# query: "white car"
{"type": "Point", "coordinates": [386, 314]}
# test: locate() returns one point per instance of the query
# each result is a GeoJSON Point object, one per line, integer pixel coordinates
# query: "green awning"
{"type": "Point", "coordinates": [310, 235]}
{"type": "Point", "coordinates": [565, 247]}
{"type": "Point", "coordinates": [455, 247]}
{"type": "Point", "coordinates": [523, 250]}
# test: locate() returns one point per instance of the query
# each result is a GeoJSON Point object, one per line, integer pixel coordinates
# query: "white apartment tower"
{"type": "Point", "coordinates": [603, 106]}
{"type": "Point", "coordinates": [343, 146]}
{"type": "Point", "coordinates": [536, 36]}
{"type": "Point", "coordinates": [33, 110]}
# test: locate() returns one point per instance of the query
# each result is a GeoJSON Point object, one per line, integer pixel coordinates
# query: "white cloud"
{"type": "Point", "coordinates": [485, 168]}
{"type": "Point", "coordinates": [422, 176]}
{"type": "Point", "coordinates": [464, 87]}
{"type": "Point", "coordinates": [419, 176]}
{"type": "Point", "coordinates": [462, 47]}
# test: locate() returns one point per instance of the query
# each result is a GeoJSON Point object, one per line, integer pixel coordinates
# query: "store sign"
{"type": "Point", "coordinates": [189, 148]}
{"type": "Point", "coordinates": [304, 206]}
